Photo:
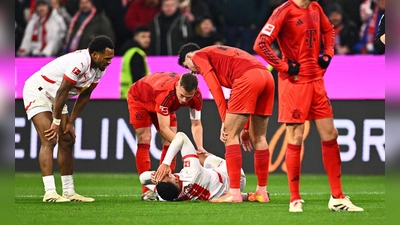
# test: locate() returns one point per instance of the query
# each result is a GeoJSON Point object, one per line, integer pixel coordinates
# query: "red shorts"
{"type": "Point", "coordinates": [252, 93]}
{"type": "Point", "coordinates": [301, 102]}
{"type": "Point", "coordinates": [140, 117]}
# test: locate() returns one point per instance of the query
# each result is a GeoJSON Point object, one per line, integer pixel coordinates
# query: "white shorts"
{"type": "Point", "coordinates": [219, 164]}
{"type": "Point", "coordinates": [37, 100]}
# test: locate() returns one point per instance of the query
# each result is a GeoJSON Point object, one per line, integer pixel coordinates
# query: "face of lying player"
{"type": "Point", "coordinates": [188, 63]}
{"type": "Point", "coordinates": [171, 178]}
{"type": "Point", "coordinates": [183, 95]}
{"type": "Point", "coordinates": [102, 59]}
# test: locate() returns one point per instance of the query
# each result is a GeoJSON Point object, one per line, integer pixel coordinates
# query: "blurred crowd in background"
{"type": "Point", "coordinates": [55, 27]}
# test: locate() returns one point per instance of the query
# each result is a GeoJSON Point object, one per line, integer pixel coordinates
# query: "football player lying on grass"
{"type": "Point", "coordinates": [204, 176]}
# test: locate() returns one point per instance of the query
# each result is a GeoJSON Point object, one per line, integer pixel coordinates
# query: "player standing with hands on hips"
{"type": "Point", "coordinates": [45, 95]}
{"type": "Point", "coordinates": [298, 25]}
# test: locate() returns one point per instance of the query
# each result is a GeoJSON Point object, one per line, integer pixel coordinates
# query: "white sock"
{"type": "Point", "coordinates": [68, 185]}
{"type": "Point", "coordinates": [49, 183]}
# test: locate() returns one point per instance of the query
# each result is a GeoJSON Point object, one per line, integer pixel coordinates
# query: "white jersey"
{"type": "Point", "coordinates": [74, 67]}
{"type": "Point", "coordinates": [199, 183]}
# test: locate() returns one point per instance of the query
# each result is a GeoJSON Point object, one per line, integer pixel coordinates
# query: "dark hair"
{"type": "Point", "coordinates": [100, 43]}
{"type": "Point", "coordinates": [189, 82]}
{"type": "Point", "coordinates": [142, 28]}
{"type": "Point", "coordinates": [184, 50]}
{"type": "Point", "coordinates": [167, 191]}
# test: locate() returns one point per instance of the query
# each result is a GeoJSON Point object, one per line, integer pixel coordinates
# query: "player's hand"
{"type": "Point", "coordinates": [293, 67]}
{"type": "Point", "coordinates": [52, 132]}
{"type": "Point", "coordinates": [324, 60]}
{"type": "Point", "coordinates": [153, 177]}
{"type": "Point", "coordinates": [245, 140]}
{"type": "Point", "coordinates": [69, 128]}
{"type": "Point", "coordinates": [223, 134]}
{"type": "Point", "coordinates": [162, 170]}
{"type": "Point", "coordinates": [201, 151]}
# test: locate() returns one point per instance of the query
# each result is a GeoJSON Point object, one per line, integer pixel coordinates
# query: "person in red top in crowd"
{"type": "Point", "coordinates": [252, 96]}
{"type": "Point", "coordinates": [299, 26]}
{"type": "Point", "coordinates": [141, 12]}
{"type": "Point", "coordinates": [153, 100]}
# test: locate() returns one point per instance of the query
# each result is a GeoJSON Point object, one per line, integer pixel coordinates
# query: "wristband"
{"type": "Point", "coordinates": [57, 121]}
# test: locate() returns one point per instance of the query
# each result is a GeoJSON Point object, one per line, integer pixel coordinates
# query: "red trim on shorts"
{"type": "Point", "coordinates": [69, 79]}
{"type": "Point", "coordinates": [48, 80]}
{"type": "Point", "coordinates": [190, 155]}
{"type": "Point", "coordinates": [219, 177]}
{"type": "Point", "coordinates": [30, 103]}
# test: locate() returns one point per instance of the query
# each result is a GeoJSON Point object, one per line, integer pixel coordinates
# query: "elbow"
{"type": "Point", "coordinates": [256, 47]}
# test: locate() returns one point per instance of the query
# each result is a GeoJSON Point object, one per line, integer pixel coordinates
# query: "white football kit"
{"type": "Point", "coordinates": [196, 182]}
{"type": "Point", "coordinates": [40, 89]}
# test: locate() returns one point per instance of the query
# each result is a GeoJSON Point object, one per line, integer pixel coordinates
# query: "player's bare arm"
{"type": "Point", "coordinates": [165, 128]}
{"type": "Point", "coordinates": [59, 102]}
{"type": "Point", "coordinates": [197, 132]}
{"type": "Point", "coordinates": [80, 103]}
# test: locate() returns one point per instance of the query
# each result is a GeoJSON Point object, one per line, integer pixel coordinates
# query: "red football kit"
{"type": "Point", "coordinates": [298, 32]}
{"type": "Point", "coordinates": [251, 83]}
{"type": "Point", "coordinates": [154, 94]}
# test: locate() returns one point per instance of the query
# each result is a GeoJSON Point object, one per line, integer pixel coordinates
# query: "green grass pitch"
{"type": "Point", "coordinates": [118, 202]}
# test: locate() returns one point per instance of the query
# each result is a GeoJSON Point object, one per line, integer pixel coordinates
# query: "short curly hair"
{"type": "Point", "coordinates": [100, 43]}
{"type": "Point", "coordinates": [184, 50]}
{"type": "Point", "coordinates": [167, 191]}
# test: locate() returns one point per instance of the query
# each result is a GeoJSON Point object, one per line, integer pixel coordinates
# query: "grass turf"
{"type": "Point", "coordinates": [118, 202]}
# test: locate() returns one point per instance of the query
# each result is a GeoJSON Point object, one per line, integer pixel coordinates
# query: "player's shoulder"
{"type": "Point", "coordinates": [282, 10]}
{"type": "Point", "coordinates": [80, 58]}
{"type": "Point", "coordinates": [316, 7]}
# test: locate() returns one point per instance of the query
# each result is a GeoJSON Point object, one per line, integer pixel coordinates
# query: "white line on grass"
{"type": "Point", "coordinates": [277, 194]}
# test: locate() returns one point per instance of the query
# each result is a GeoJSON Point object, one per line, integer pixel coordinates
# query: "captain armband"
{"type": "Point", "coordinates": [195, 115]}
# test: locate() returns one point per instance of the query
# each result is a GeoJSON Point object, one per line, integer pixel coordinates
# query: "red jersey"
{"type": "Point", "coordinates": [228, 63]}
{"type": "Point", "coordinates": [157, 93]}
{"type": "Point", "coordinates": [298, 31]}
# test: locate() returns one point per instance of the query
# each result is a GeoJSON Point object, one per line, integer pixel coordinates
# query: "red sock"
{"type": "Point", "coordinates": [332, 164]}
{"type": "Point", "coordinates": [261, 165]}
{"type": "Point", "coordinates": [233, 156]}
{"type": "Point", "coordinates": [293, 166]}
{"type": "Point", "coordinates": [163, 153]}
{"type": "Point", "coordinates": [143, 161]}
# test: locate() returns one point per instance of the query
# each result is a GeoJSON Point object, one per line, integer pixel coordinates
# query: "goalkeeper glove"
{"type": "Point", "coordinates": [324, 60]}
{"type": "Point", "coordinates": [293, 67]}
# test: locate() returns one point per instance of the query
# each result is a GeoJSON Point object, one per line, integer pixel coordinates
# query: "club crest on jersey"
{"type": "Point", "coordinates": [296, 113]}
{"type": "Point", "coordinates": [268, 29]}
{"type": "Point", "coordinates": [186, 164]}
{"type": "Point", "coordinates": [315, 17]}
{"type": "Point", "coordinates": [76, 71]}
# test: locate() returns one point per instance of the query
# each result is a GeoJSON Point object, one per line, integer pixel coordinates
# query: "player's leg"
{"type": "Point", "coordinates": [323, 119]}
{"type": "Point", "coordinates": [42, 121]}
{"type": "Point", "coordinates": [38, 109]}
{"type": "Point", "coordinates": [65, 161]}
{"type": "Point", "coordinates": [141, 121]}
{"type": "Point", "coordinates": [233, 155]}
{"type": "Point", "coordinates": [294, 133]}
{"type": "Point", "coordinates": [258, 133]}
{"type": "Point", "coordinates": [294, 106]}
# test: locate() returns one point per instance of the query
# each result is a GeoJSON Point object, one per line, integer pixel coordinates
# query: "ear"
{"type": "Point", "coordinates": [189, 55]}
